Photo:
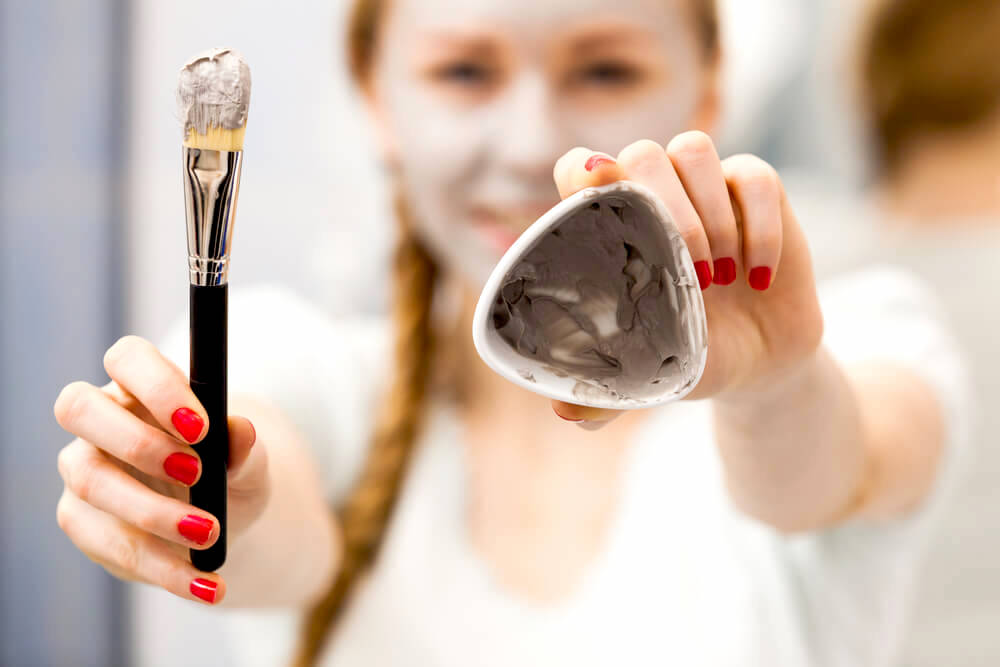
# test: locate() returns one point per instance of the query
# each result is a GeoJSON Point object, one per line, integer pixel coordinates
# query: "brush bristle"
{"type": "Point", "coordinates": [216, 139]}
{"type": "Point", "coordinates": [213, 96]}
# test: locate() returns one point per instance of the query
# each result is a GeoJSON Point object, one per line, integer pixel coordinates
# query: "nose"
{"type": "Point", "coordinates": [530, 139]}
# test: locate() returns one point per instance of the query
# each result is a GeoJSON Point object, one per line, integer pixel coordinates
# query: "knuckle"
{"type": "Point", "coordinates": [697, 241]}
{"type": "Point", "coordinates": [173, 575]}
{"type": "Point", "coordinates": [164, 384]}
{"type": "Point", "coordinates": [64, 515]}
{"type": "Point", "coordinates": [762, 238]}
{"type": "Point", "coordinates": [71, 403]}
{"type": "Point", "coordinates": [146, 521]}
{"type": "Point", "coordinates": [84, 472]}
{"type": "Point", "coordinates": [122, 348]}
{"type": "Point", "coordinates": [692, 146]}
{"type": "Point", "coordinates": [124, 553]}
{"type": "Point", "coordinates": [64, 460]}
{"type": "Point", "coordinates": [568, 159]}
{"type": "Point", "coordinates": [641, 153]}
{"type": "Point", "coordinates": [752, 173]}
{"type": "Point", "coordinates": [137, 444]}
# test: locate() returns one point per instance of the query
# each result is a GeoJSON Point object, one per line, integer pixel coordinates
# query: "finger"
{"type": "Point", "coordinates": [756, 190]}
{"type": "Point", "coordinates": [646, 162]}
{"type": "Point", "coordinates": [586, 417]}
{"type": "Point", "coordinates": [87, 412]}
{"type": "Point", "coordinates": [91, 476]}
{"type": "Point", "coordinates": [582, 168]}
{"type": "Point", "coordinates": [242, 437]}
{"type": "Point", "coordinates": [124, 550]}
{"type": "Point", "coordinates": [697, 164]}
{"type": "Point", "coordinates": [140, 369]}
{"type": "Point", "coordinates": [129, 402]}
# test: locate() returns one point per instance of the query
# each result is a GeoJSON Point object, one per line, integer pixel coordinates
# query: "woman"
{"type": "Point", "coordinates": [518, 538]}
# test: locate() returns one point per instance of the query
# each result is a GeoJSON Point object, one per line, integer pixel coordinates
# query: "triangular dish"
{"type": "Point", "coordinates": [597, 303]}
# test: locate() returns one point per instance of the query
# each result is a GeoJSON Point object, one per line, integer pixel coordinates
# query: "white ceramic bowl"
{"type": "Point", "coordinates": [669, 251]}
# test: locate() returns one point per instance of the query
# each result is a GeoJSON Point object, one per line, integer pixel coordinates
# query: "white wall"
{"type": "Point", "coordinates": [311, 212]}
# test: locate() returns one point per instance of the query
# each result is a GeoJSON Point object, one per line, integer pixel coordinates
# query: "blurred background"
{"type": "Point", "coordinates": [92, 247]}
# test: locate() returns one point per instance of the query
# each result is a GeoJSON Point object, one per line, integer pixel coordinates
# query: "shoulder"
{"type": "Point", "coordinates": [272, 313]}
{"type": "Point", "coordinates": [884, 313]}
{"type": "Point", "coordinates": [875, 286]}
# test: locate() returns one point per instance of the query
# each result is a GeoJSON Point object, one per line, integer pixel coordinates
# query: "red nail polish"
{"type": "Point", "coordinates": [204, 589]}
{"type": "Point", "coordinates": [253, 434]}
{"type": "Point", "coordinates": [182, 467]}
{"type": "Point", "coordinates": [596, 161]}
{"type": "Point", "coordinates": [575, 421]}
{"type": "Point", "coordinates": [195, 528]}
{"type": "Point", "coordinates": [704, 274]}
{"type": "Point", "coordinates": [188, 423]}
{"type": "Point", "coordinates": [760, 277]}
{"type": "Point", "coordinates": [725, 271]}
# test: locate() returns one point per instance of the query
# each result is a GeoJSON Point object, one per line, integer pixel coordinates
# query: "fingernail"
{"type": "Point", "coordinates": [253, 434]}
{"type": "Point", "coordinates": [182, 467]}
{"type": "Point", "coordinates": [195, 528]}
{"type": "Point", "coordinates": [704, 274]}
{"type": "Point", "coordinates": [596, 161]}
{"type": "Point", "coordinates": [188, 423]}
{"type": "Point", "coordinates": [575, 421]}
{"type": "Point", "coordinates": [592, 425]}
{"type": "Point", "coordinates": [204, 589]}
{"type": "Point", "coordinates": [725, 271]}
{"type": "Point", "coordinates": [760, 277]}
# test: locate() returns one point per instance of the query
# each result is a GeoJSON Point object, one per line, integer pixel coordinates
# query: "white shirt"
{"type": "Point", "coordinates": [955, 616]}
{"type": "Point", "coordinates": [684, 578]}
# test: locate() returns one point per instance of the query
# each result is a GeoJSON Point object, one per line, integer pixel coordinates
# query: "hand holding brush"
{"type": "Point", "coordinates": [146, 476]}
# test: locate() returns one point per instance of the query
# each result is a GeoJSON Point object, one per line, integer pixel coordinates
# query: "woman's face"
{"type": "Point", "coordinates": [475, 100]}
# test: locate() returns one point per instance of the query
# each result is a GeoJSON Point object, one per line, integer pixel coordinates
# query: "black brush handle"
{"type": "Point", "coordinates": [209, 314]}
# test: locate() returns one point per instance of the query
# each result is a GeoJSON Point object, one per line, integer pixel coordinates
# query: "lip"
{"type": "Point", "coordinates": [502, 226]}
{"type": "Point", "coordinates": [499, 237]}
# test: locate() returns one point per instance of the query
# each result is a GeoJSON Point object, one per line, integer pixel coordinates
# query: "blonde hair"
{"type": "Point", "coordinates": [928, 66]}
{"type": "Point", "coordinates": [367, 511]}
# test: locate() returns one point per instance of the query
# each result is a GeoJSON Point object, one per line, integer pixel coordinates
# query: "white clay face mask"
{"type": "Point", "coordinates": [597, 303]}
{"type": "Point", "coordinates": [457, 160]}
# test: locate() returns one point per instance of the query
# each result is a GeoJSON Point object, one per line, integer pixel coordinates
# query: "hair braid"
{"type": "Point", "coordinates": [367, 510]}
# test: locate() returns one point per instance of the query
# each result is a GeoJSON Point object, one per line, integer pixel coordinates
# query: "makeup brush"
{"type": "Point", "coordinates": [213, 94]}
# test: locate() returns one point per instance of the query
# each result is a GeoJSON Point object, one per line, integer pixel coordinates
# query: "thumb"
{"type": "Point", "coordinates": [242, 437]}
{"type": "Point", "coordinates": [582, 168]}
{"type": "Point", "coordinates": [587, 418]}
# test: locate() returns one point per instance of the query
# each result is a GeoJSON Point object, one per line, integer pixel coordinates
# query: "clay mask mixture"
{"type": "Point", "coordinates": [601, 298]}
{"type": "Point", "coordinates": [213, 90]}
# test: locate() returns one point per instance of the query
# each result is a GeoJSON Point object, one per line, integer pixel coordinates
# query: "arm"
{"type": "Point", "coordinates": [804, 441]}
{"type": "Point", "coordinates": [824, 443]}
{"type": "Point", "coordinates": [288, 555]}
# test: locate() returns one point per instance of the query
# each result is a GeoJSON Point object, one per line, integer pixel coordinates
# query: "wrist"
{"type": "Point", "coordinates": [775, 385]}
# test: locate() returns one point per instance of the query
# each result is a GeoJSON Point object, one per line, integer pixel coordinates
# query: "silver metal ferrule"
{"type": "Point", "coordinates": [211, 188]}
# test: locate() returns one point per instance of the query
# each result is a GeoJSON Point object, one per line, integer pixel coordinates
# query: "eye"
{"type": "Point", "coordinates": [608, 73]}
{"type": "Point", "coordinates": [464, 73]}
